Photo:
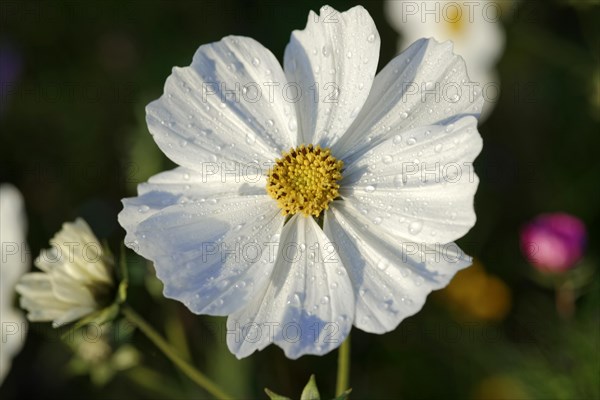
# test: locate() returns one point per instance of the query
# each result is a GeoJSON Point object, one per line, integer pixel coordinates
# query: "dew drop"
{"type": "Point", "coordinates": [143, 209]}
{"type": "Point", "coordinates": [370, 189]}
{"type": "Point", "coordinates": [397, 139]}
{"type": "Point", "coordinates": [255, 62]}
{"type": "Point", "coordinates": [411, 141]}
{"type": "Point", "coordinates": [250, 138]}
{"type": "Point", "coordinates": [415, 227]}
{"type": "Point", "coordinates": [438, 147]}
{"type": "Point", "coordinates": [240, 285]}
{"type": "Point", "coordinates": [371, 38]}
{"type": "Point", "coordinates": [293, 124]}
{"type": "Point", "coordinates": [294, 300]}
{"type": "Point", "coordinates": [387, 159]}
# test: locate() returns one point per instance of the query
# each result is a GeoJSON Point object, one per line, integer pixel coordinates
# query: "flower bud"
{"type": "Point", "coordinates": [553, 242]}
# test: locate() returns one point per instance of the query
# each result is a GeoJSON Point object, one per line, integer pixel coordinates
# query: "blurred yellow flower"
{"type": "Point", "coordinates": [499, 387]}
{"type": "Point", "coordinates": [476, 294]}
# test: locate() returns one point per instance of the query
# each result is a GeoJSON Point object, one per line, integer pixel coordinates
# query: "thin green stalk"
{"type": "Point", "coordinates": [198, 377]}
{"type": "Point", "coordinates": [151, 381]}
{"type": "Point", "coordinates": [343, 372]}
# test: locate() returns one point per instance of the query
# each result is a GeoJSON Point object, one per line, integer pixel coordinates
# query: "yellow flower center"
{"type": "Point", "coordinates": [304, 180]}
{"type": "Point", "coordinates": [455, 18]}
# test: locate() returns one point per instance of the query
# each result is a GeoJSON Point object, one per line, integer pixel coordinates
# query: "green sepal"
{"type": "Point", "coordinates": [123, 278]}
{"type": "Point", "coordinates": [274, 396]}
{"type": "Point", "coordinates": [344, 396]}
{"type": "Point", "coordinates": [310, 391]}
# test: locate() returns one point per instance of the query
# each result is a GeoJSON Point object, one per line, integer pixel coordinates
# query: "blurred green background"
{"type": "Point", "coordinates": [74, 141]}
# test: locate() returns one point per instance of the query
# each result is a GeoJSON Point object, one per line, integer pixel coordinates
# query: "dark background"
{"type": "Point", "coordinates": [74, 141]}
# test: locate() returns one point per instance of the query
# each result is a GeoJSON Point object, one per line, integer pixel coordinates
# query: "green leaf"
{"type": "Point", "coordinates": [311, 392]}
{"type": "Point", "coordinates": [274, 396]}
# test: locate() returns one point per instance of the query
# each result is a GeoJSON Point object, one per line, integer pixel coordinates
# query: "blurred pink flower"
{"type": "Point", "coordinates": [553, 242]}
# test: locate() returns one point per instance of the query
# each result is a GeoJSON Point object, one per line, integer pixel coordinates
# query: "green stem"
{"type": "Point", "coordinates": [343, 372]}
{"type": "Point", "coordinates": [198, 377]}
{"type": "Point", "coordinates": [151, 381]}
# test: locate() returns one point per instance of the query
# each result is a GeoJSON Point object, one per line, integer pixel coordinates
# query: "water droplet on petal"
{"type": "Point", "coordinates": [415, 227]}
{"type": "Point", "coordinates": [255, 62]}
{"type": "Point", "coordinates": [371, 38]}
{"type": "Point", "coordinates": [293, 124]}
{"type": "Point", "coordinates": [370, 189]}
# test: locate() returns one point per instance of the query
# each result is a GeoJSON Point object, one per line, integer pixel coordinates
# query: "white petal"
{"type": "Point", "coordinates": [213, 255]}
{"type": "Point", "coordinates": [197, 120]}
{"type": "Point", "coordinates": [182, 185]}
{"type": "Point", "coordinates": [71, 315]}
{"type": "Point", "coordinates": [418, 186]}
{"type": "Point", "coordinates": [13, 225]}
{"type": "Point", "coordinates": [425, 85]}
{"type": "Point", "coordinates": [308, 306]}
{"type": "Point", "coordinates": [69, 290]}
{"type": "Point", "coordinates": [333, 60]}
{"type": "Point", "coordinates": [14, 331]}
{"type": "Point", "coordinates": [391, 280]}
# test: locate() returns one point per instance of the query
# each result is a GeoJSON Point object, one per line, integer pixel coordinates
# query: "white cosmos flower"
{"type": "Point", "coordinates": [76, 277]}
{"type": "Point", "coordinates": [15, 261]}
{"type": "Point", "coordinates": [217, 237]}
{"type": "Point", "coordinates": [474, 28]}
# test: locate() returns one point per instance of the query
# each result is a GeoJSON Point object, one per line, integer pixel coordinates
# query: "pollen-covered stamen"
{"type": "Point", "coordinates": [305, 180]}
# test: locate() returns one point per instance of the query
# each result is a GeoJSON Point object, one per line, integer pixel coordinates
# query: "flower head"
{"type": "Point", "coordinates": [312, 197]}
{"type": "Point", "coordinates": [474, 28]}
{"type": "Point", "coordinates": [76, 277]}
{"type": "Point", "coordinates": [15, 261]}
{"type": "Point", "coordinates": [554, 242]}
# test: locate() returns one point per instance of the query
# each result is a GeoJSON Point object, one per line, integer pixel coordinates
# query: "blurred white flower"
{"type": "Point", "coordinates": [299, 208]}
{"type": "Point", "coordinates": [76, 279]}
{"type": "Point", "coordinates": [473, 26]}
{"type": "Point", "coordinates": [103, 355]}
{"type": "Point", "coordinates": [14, 263]}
